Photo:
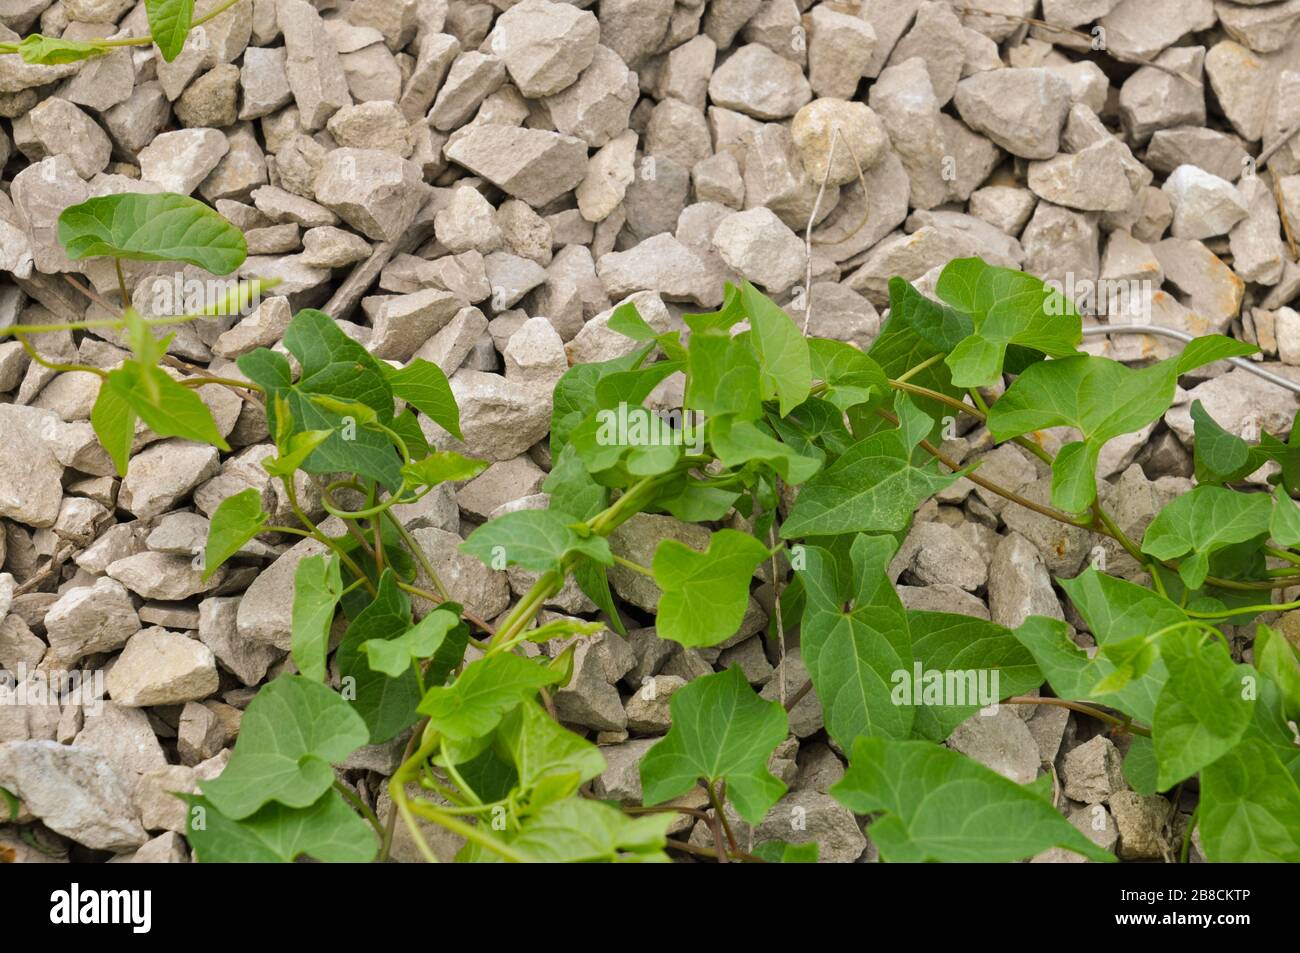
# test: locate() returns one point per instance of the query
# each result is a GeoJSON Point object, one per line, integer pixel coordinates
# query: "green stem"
{"type": "Point", "coordinates": [355, 800]}
{"type": "Point", "coordinates": [470, 832]}
{"type": "Point", "coordinates": [912, 372]}
{"type": "Point", "coordinates": [224, 381]}
{"type": "Point", "coordinates": [1283, 554]}
{"type": "Point", "coordinates": [420, 555]}
{"type": "Point", "coordinates": [450, 767]}
{"type": "Point", "coordinates": [320, 537]}
{"type": "Point", "coordinates": [62, 368]}
{"type": "Point", "coordinates": [635, 567]}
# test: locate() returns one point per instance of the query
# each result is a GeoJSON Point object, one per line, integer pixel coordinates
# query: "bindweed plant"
{"type": "Point", "coordinates": [808, 460]}
{"type": "Point", "coordinates": [170, 26]}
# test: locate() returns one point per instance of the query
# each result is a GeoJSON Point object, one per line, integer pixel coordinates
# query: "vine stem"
{"type": "Point", "coordinates": [1089, 710]}
{"type": "Point", "coordinates": [355, 800]}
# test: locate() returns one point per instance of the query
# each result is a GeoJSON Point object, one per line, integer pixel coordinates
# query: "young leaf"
{"type": "Point", "coordinates": [169, 24]}
{"type": "Point", "coordinates": [297, 447]}
{"type": "Point", "coordinates": [874, 487]}
{"type": "Point", "coordinates": [290, 736]}
{"type": "Point", "coordinates": [442, 466]}
{"type": "Point", "coordinates": [335, 366]}
{"type": "Point", "coordinates": [851, 377]}
{"type": "Point", "coordinates": [1202, 522]}
{"type": "Point", "coordinates": [167, 408]}
{"type": "Point", "coordinates": [394, 657]}
{"type": "Point", "coordinates": [781, 349]}
{"type": "Point", "coordinates": [113, 421]}
{"type": "Point", "coordinates": [1250, 807]}
{"type": "Point", "coordinates": [317, 587]}
{"type": "Point", "coordinates": [1006, 307]}
{"type": "Point", "coordinates": [486, 690]}
{"type": "Point", "coordinates": [940, 326]}
{"type": "Point", "coordinates": [386, 704]}
{"type": "Point", "coordinates": [705, 594]}
{"type": "Point", "coordinates": [853, 654]}
{"type": "Point", "coordinates": [1284, 523]}
{"type": "Point", "coordinates": [1277, 661]}
{"type": "Point", "coordinates": [55, 51]}
{"type": "Point", "coordinates": [536, 540]}
{"type": "Point", "coordinates": [160, 227]}
{"type": "Point", "coordinates": [1204, 708]}
{"type": "Point", "coordinates": [550, 760]}
{"type": "Point", "coordinates": [723, 376]}
{"type": "Point", "coordinates": [1101, 398]}
{"type": "Point", "coordinates": [576, 830]}
{"type": "Point", "coordinates": [721, 731]}
{"type": "Point", "coordinates": [938, 805]}
{"type": "Point", "coordinates": [327, 831]}
{"type": "Point", "coordinates": [237, 520]}
{"type": "Point", "coordinates": [424, 386]}
{"type": "Point", "coordinates": [737, 442]}
{"type": "Point", "coordinates": [575, 394]}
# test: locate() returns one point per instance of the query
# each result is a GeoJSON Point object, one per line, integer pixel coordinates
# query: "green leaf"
{"type": "Point", "coordinates": [1250, 807]}
{"type": "Point", "coordinates": [576, 830]}
{"type": "Point", "coordinates": [388, 705]}
{"type": "Point", "coordinates": [1140, 768]}
{"type": "Point", "coordinates": [161, 227]}
{"type": "Point", "coordinates": [705, 594]}
{"type": "Point", "coordinates": [781, 852]}
{"type": "Point", "coordinates": [167, 408]}
{"type": "Point", "coordinates": [335, 366]}
{"type": "Point", "coordinates": [485, 691]}
{"type": "Point", "coordinates": [1006, 307]}
{"type": "Point", "coordinates": [1221, 457]}
{"type": "Point", "coordinates": [738, 442]}
{"type": "Point", "coordinates": [853, 653]}
{"type": "Point", "coordinates": [54, 51]}
{"type": "Point", "coordinates": [723, 376]}
{"type": "Point", "coordinates": [938, 805]}
{"type": "Point", "coordinates": [536, 540]}
{"type": "Point", "coordinates": [317, 588]}
{"type": "Point", "coordinates": [169, 24]}
{"type": "Point", "coordinates": [394, 657]}
{"type": "Point", "coordinates": [328, 831]}
{"type": "Point", "coordinates": [899, 350]}
{"type": "Point", "coordinates": [851, 377]}
{"type": "Point", "coordinates": [442, 466]}
{"type": "Point", "coordinates": [575, 394]}
{"type": "Point", "coordinates": [291, 735]}
{"type": "Point", "coordinates": [113, 421]}
{"type": "Point", "coordinates": [965, 647]}
{"type": "Point", "coordinates": [721, 731]}
{"type": "Point", "coordinates": [1284, 522]}
{"type": "Point", "coordinates": [424, 386]}
{"type": "Point", "coordinates": [298, 447]}
{"type": "Point", "coordinates": [237, 520]}
{"type": "Point", "coordinates": [1099, 397]}
{"type": "Point", "coordinates": [873, 487]}
{"type": "Point", "coordinates": [1202, 522]}
{"type": "Point", "coordinates": [407, 426]}
{"type": "Point", "coordinates": [1202, 712]}
{"type": "Point", "coordinates": [551, 761]}
{"type": "Point", "coordinates": [781, 349]}
{"type": "Point", "coordinates": [1277, 661]}
{"type": "Point", "coordinates": [940, 326]}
